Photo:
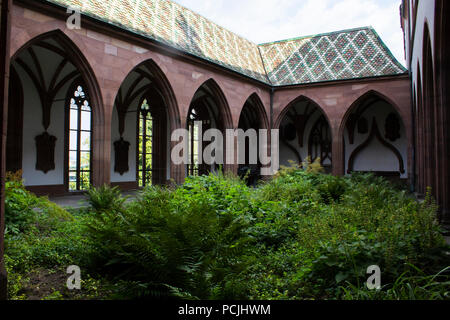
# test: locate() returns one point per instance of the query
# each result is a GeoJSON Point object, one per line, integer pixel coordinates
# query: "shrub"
{"type": "Point", "coordinates": [19, 205]}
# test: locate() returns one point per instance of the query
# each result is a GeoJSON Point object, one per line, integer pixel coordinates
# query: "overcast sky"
{"type": "Point", "coordinates": [263, 21]}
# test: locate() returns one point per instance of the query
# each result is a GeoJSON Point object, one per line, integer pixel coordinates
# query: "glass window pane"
{"type": "Point", "coordinates": [72, 176]}
{"type": "Point", "coordinates": [80, 134]}
{"type": "Point", "coordinates": [85, 106]}
{"type": "Point", "coordinates": [140, 161]}
{"type": "Point", "coordinates": [85, 121]}
{"type": "Point", "coordinates": [72, 186]}
{"type": "Point", "coordinates": [72, 181]}
{"type": "Point", "coordinates": [149, 128]}
{"type": "Point", "coordinates": [140, 179]}
{"type": "Point", "coordinates": [85, 141]}
{"type": "Point", "coordinates": [195, 132]}
{"type": "Point", "coordinates": [72, 160]}
{"type": "Point", "coordinates": [148, 146]}
{"type": "Point", "coordinates": [141, 145]}
{"type": "Point", "coordinates": [85, 180]}
{"type": "Point", "coordinates": [141, 125]}
{"type": "Point", "coordinates": [148, 162]}
{"type": "Point", "coordinates": [85, 161]}
{"type": "Point", "coordinates": [73, 140]}
{"type": "Point", "coordinates": [73, 119]}
{"type": "Point", "coordinates": [148, 177]}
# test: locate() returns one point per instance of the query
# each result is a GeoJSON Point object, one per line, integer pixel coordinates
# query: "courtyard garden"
{"type": "Point", "coordinates": [300, 235]}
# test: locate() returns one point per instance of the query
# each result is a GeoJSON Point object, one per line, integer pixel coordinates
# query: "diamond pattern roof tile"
{"type": "Point", "coordinates": [347, 54]}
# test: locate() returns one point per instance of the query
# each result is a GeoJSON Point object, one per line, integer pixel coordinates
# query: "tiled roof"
{"type": "Point", "coordinates": [356, 53]}
{"type": "Point", "coordinates": [335, 56]}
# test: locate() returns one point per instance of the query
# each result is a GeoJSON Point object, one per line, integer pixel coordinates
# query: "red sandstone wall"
{"type": "Point", "coordinates": [337, 99]}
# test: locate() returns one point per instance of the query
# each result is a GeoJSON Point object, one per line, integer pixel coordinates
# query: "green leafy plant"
{"type": "Point", "coordinates": [105, 198]}
{"type": "Point", "coordinates": [300, 235]}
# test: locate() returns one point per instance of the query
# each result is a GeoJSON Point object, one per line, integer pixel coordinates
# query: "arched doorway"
{"type": "Point", "coordinates": [420, 135]}
{"type": "Point", "coordinates": [208, 110]}
{"type": "Point", "coordinates": [142, 121]}
{"type": "Point", "coordinates": [253, 118]}
{"type": "Point", "coordinates": [305, 134]}
{"type": "Point", "coordinates": [429, 106]}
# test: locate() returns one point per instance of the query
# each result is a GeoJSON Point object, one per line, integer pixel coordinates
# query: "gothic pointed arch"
{"type": "Point", "coordinates": [305, 133]}
{"type": "Point", "coordinates": [374, 117]}
{"type": "Point", "coordinates": [145, 86]}
{"type": "Point", "coordinates": [287, 108]}
{"type": "Point", "coordinates": [67, 48]}
{"type": "Point", "coordinates": [208, 109]}
{"type": "Point", "coordinates": [53, 62]}
{"type": "Point", "coordinates": [362, 103]}
{"type": "Point", "coordinates": [431, 136]}
{"type": "Point", "coordinates": [252, 119]}
{"type": "Point", "coordinates": [259, 115]}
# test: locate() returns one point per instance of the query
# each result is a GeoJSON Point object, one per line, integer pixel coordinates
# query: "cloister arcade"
{"type": "Point", "coordinates": [94, 107]}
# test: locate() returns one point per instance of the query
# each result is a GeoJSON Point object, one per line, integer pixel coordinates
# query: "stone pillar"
{"type": "Point", "coordinates": [233, 167]}
{"type": "Point", "coordinates": [177, 171]}
{"type": "Point", "coordinates": [5, 6]}
{"type": "Point", "coordinates": [337, 154]}
{"type": "Point", "coordinates": [101, 164]}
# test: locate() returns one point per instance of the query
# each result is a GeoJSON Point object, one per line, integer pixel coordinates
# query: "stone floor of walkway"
{"type": "Point", "coordinates": [80, 201]}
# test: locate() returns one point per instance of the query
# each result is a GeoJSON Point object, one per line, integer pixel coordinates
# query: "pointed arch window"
{"type": "Point", "coordinates": [320, 142]}
{"type": "Point", "coordinates": [80, 140]}
{"type": "Point", "coordinates": [145, 152]}
{"type": "Point", "coordinates": [193, 127]}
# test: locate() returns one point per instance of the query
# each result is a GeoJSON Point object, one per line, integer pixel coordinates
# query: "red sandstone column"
{"type": "Point", "coordinates": [338, 160]}
{"type": "Point", "coordinates": [101, 164]}
{"type": "Point", "coordinates": [4, 81]}
{"type": "Point", "coordinates": [234, 167]}
{"type": "Point", "coordinates": [177, 171]}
